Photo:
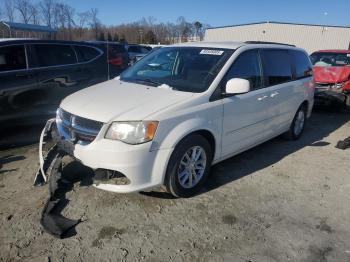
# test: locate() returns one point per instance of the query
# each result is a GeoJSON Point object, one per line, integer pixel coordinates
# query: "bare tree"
{"type": "Point", "coordinates": [94, 21]}
{"type": "Point", "coordinates": [35, 14]}
{"type": "Point", "coordinates": [24, 8]}
{"type": "Point", "coordinates": [83, 19]}
{"type": "Point", "coordinates": [9, 10]}
{"type": "Point", "coordinates": [69, 13]}
{"type": "Point", "coordinates": [47, 9]}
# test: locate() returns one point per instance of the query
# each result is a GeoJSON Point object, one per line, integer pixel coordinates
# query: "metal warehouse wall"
{"type": "Point", "coordinates": [309, 37]}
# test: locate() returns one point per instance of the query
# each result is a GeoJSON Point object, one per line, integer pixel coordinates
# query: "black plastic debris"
{"type": "Point", "coordinates": [52, 220]}
{"type": "Point", "coordinates": [343, 144]}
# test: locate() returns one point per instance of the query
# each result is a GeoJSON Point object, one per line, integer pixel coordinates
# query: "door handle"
{"type": "Point", "coordinates": [262, 98]}
{"type": "Point", "coordinates": [274, 94]}
{"type": "Point", "coordinates": [24, 75]}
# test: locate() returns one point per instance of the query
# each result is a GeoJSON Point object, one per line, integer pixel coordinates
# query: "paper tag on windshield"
{"type": "Point", "coordinates": [348, 55]}
{"type": "Point", "coordinates": [211, 52]}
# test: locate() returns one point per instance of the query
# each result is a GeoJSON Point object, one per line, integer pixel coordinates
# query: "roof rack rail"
{"type": "Point", "coordinates": [265, 42]}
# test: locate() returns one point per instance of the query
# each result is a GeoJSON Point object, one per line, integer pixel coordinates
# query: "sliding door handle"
{"type": "Point", "coordinates": [262, 98]}
{"type": "Point", "coordinates": [274, 94]}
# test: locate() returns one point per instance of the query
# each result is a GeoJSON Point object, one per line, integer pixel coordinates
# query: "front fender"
{"type": "Point", "coordinates": [184, 128]}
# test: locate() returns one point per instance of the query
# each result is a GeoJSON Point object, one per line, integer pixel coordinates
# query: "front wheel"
{"type": "Point", "coordinates": [297, 127]}
{"type": "Point", "coordinates": [189, 166]}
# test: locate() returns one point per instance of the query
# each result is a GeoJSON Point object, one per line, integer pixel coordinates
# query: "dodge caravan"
{"type": "Point", "coordinates": [183, 108]}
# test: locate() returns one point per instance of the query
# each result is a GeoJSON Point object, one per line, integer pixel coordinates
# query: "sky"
{"type": "Point", "coordinates": [220, 12]}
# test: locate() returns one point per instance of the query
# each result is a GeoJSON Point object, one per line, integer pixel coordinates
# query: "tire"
{"type": "Point", "coordinates": [182, 166]}
{"type": "Point", "coordinates": [297, 127]}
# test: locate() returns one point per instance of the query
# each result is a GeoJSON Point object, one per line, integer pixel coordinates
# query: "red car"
{"type": "Point", "coordinates": [332, 76]}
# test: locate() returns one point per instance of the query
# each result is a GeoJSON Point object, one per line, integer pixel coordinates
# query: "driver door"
{"type": "Point", "coordinates": [245, 115]}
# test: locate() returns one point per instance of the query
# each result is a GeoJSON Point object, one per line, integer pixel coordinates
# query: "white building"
{"type": "Point", "coordinates": [307, 36]}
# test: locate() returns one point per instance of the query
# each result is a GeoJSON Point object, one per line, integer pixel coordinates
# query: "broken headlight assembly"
{"type": "Point", "coordinates": [339, 85]}
{"type": "Point", "coordinates": [132, 132]}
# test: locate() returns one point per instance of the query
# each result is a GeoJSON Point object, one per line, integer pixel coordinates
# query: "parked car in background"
{"type": "Point", "coordinates": [332, 76]}
{"type": "Point", "coordinates": [136, 52]}
{"type": "Point", "coordinates": [193, 105]}
{"type": "Point", "coordinates": [118, 57]}
{"type": "Point", "coordinates": [35, 75]}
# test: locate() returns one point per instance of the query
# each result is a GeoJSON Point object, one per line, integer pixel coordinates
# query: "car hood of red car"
{"type": "Point", "coordinates": [331, 74]}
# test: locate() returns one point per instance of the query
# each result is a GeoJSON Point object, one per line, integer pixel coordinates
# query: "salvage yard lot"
{"type": "Point", "coordinates": [281, 201]}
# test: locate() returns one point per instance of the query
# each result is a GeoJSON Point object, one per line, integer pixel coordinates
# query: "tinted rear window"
{"type": "Point", "coordinates": [53, 55]}
{"type": "Point", "coordinates": [277, 66]}
{"type": "Point", "coordinates": [86, 53]}
{"type": "Point", "coordinates": [12, 58]}
{"type": "Point", "coordinates": [303, 67]}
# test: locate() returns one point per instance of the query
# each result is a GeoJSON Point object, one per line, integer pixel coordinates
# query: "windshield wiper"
{"type": "Point", "coordinates": [149, 82]}
{"type": "Point", "coordinates": [146, 81]}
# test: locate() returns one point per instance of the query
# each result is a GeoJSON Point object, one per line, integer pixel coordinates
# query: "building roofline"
{"type": "Point", "coordinates": [274, 22]}
{"type": "Point", "coordinates": [28, 27]}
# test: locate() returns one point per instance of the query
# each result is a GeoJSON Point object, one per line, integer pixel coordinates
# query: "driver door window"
{"type": "Point", "coordinates": [247, 66]}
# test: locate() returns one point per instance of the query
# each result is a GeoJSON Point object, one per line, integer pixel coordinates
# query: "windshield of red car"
{"type": "Point", "coordinates": [330, 59]}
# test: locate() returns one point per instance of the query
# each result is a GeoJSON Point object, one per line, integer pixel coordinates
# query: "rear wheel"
{"type": "Point", "coordinates": [297, 127]}
{"type": "Point", "coordinates": [189, 166]}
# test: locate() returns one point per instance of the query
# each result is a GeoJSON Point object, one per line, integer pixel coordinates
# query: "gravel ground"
{"type": "Point", "coordinates": [281, 201]}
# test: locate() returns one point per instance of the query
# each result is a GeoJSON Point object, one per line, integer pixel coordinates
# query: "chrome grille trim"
{"type": "Point", "coordinates": [77, 129]}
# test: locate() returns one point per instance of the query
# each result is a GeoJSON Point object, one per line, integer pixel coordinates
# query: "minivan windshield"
{"type": "Point", "coordinates": [330, 59]}
{"type": "Point", "coordinates": [189, 69]}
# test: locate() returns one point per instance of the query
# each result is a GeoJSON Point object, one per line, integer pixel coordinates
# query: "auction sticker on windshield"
{"type": "Point", "coordinates": [211, 52]}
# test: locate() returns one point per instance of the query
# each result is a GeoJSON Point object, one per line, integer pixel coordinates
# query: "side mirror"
{"type": "Point", "coordinates": [236, 86]}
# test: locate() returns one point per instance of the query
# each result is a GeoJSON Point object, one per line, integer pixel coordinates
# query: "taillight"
{"type": "Point", "coordinates": [118, 61]}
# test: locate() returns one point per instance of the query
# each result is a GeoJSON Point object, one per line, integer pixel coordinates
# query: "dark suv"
{"type": "Point", "coordinates": [118, 57]}
{"type": "Point", "coordinates": [35, 75]}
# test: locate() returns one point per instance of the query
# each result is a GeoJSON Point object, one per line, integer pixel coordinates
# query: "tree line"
{"type": "Point", "coordinates": [86, 25]}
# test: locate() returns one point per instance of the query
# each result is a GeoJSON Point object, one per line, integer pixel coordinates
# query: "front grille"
{"type": "Point", "coordinates": [77, 129]}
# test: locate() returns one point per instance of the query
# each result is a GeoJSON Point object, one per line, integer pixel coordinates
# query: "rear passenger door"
{"type": "Point", "coordinates": [246, 115]}
{"type": "Point", "coordinates": [17, 84]}
{"type": "Point", "coordinates": [59, 73]}
{"type": "Point", "coordinates": [278, 79]}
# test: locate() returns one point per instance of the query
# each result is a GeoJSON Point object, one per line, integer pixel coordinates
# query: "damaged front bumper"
{"type": "Point", "coordinates": [327, 94]}
{"type": "Point", "coordinates": [144, 168]}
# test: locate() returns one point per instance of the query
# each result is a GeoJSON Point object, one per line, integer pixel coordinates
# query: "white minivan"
{"type": "Point", "coordinates": [183, 108]}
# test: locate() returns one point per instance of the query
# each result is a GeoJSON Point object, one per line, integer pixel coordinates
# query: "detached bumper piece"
{"type": "Point", "coordinates": [50, 171]}
{"type": "Point", "coordinates": [51, 219]}
{"type": "Point", "coordinates": [343, 144]}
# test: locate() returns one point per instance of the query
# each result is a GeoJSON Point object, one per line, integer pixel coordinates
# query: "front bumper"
{"type": "Point", "coordinates": [144, 168]}
{"type": "Point", "coordinates": [327, 95]}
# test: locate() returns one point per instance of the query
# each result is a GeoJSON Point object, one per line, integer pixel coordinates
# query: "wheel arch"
{"type": "Point", "coordinates": [208, 129]}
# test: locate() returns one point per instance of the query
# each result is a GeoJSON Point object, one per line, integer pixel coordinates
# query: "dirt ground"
{"type": "Point", "coordinates": [281, 201]}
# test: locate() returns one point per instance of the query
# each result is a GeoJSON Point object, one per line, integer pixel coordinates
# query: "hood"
{"type": "Point", "coordinates": [331, 74]}
{"type": "Point", "coordinates": [117, 100]}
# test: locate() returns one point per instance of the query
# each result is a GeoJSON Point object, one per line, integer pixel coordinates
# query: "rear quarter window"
{"type": "Point", "coordinates": [134, 49]}
{"type": "Point", "coordinates": [86, 53]}
{"type": "Point", "coordinates": [276, 66]}
{"type": "Point", "coordinates": [54, 55]}
{"type": "Point", "coordinates": [12, 58]}
{"type": "Point", "coordinates": [115, 50]}
{"type": "Point", "coordinates": [302, 64]}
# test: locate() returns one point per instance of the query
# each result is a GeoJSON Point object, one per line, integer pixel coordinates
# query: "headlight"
{"type": "Point", "coordinates": [339, 85]}
{"type": "Point", "coordinates": [132, 132]}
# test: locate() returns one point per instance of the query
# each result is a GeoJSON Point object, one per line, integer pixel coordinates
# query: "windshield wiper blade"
{"type": "Point", "coordinates": [147, 81]}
